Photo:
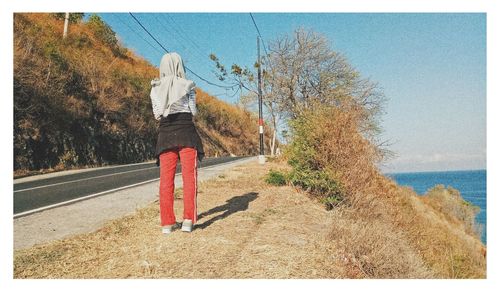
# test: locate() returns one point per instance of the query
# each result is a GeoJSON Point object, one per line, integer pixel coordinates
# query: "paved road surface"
{"type": "Point", "coordinates": [44, 192]}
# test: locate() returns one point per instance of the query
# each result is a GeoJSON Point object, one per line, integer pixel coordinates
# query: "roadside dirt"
{"type": "Point", "coordinates": [246, 229]}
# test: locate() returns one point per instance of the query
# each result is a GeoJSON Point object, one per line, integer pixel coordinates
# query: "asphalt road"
{"type": "Point", "coordinates": [44, 192]}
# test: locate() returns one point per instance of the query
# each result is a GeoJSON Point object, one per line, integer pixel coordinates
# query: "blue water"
{"type": "Point", "coordinates": [471, 184]}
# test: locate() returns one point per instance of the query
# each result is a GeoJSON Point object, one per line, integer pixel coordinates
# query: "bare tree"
{"type": "Point", "coordinates": [306, 73]}
{"type": "Point", "coordinates": [302, 72]}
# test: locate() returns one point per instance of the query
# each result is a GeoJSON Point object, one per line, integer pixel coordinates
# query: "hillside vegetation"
{"type": "Point", "coordinates": [84, 101]}
{"type": "Point", "coordinates": [371, 228]}
{"type": "Point", "coordinates": [384, 230]}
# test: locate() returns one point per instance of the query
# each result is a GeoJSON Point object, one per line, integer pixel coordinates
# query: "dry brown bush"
{"type": "Point", "coordinates": [390, 231]}
{"type": "Point", "coordinates": [452, 206]}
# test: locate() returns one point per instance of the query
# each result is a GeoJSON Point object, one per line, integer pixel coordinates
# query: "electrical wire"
{"type": "Point", "coordinates": [262, 39]}
{"type": "Point", "coordinates": [166, 50]}
{"type": "Point", "coordinates": [184, 35]}
{"type": "Point", "coordinates": [168, 27]}
{"type": "Point", "coordinates": [137, 33]}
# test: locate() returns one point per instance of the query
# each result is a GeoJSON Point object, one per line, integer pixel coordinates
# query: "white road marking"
{"type": "Point", "coordinates": [72, 172]}
{"type": "Point", "coordinates": [74, 181]}
{"type": "Point", "coordinates": [80, 199]}
{"type": "Point", "coordinates": [25, 213]}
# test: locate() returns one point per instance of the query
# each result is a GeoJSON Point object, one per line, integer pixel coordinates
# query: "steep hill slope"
{"type": "Point", "coordinates": [84, 101]}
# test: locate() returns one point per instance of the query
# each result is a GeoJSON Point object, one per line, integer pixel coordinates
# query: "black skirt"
{"type": "Point", "coordinates": [178, 130]}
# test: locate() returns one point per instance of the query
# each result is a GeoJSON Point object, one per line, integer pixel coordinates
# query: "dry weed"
{"type": "Point", "coordinates": [389, 231]}
{"type": "Point", "coordinates": [246, 229]}
{"type": "Point", "coordinates": [374, 249]}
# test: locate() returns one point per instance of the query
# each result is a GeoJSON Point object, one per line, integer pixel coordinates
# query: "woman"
{"type": "Point", "coordinates": [173, 99]}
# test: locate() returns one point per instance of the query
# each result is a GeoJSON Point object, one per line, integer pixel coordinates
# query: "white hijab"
{"type": "Point", "coordinates": [172, 84]}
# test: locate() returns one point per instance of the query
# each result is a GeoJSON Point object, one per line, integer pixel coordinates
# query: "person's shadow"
{"type": "Point", "coordinates": [235, 204]}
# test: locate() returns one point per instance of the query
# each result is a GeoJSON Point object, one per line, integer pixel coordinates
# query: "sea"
{"type": "Point", "coordinates": [470, 183]}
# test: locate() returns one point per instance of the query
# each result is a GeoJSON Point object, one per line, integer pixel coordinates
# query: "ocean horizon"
{"type": "Point", "coordinates": [470, 183]}
{"type": "Point", "coordinates": [433, 171]}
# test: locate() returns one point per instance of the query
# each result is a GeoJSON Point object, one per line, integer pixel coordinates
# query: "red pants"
{"type": "Point", "coordinates": [189, 166]}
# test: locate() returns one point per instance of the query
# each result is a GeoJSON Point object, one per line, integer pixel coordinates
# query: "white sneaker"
{"type": "Point", "coordinates": [187, 225]}
{"type": "Point", "coordinates": [167, 229]}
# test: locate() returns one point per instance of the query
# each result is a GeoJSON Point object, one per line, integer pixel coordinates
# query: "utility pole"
{"type": "Point", "coordinates": [66, 21]}
{"type": "Point", "coordinates": [262, 158]}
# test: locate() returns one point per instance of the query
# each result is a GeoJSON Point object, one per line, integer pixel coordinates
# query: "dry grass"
{"type": "Point", "coordinates": [374, 249]}
{"type": "Point", "coordinates": [384, 230]}
{"type": "Point", "coordinates": [447, 246]}
{"type": "Point", "coordinates": [225, 129]}
{"type": "Point", "coordinates": [247, 229]}
{"type": "Point", "coordinates": [454, 208]}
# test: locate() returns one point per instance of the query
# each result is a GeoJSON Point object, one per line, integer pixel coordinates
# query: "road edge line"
{"type": "Point", "coordinates": [43, 208]}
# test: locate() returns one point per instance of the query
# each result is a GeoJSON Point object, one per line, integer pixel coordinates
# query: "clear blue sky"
{"type": "Point", "coordinates": [432, 68]}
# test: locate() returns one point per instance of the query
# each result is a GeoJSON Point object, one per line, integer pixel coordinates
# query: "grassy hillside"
{"type": "Point", "coordinates": [383, 230]}
{"type": "Point", "coordinates": [84, 101]}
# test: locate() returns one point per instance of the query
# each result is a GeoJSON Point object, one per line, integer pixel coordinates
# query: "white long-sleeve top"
{"type": "Point", "coordinates": [185, 104]}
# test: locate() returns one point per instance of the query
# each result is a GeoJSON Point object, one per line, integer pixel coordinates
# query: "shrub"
{"type": "Point", "coordinates": [276, 178]}
{"type": "Point", "coordinates": [318, 183]}
{"type": "Point", "coordinates": [81, 41]}
{"type": "Point", "coordinates": [102, 30]}
{"type": "Point", "coordinates": [68, 159]}
{"type": "Point", "coordinates": [53, 53]}
{"type": "Point", "coordinates": [391, 232]}
{"type": "Point", "coordinates": [329, 156]}
{"type": "Point", "coordinates": [454, 207]}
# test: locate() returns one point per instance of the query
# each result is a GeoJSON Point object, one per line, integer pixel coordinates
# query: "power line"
{"type": "Point", "coordinates": [195, 54]}
{"type": "Point", "coordinates": [146, 30]}
{"type": "Point", "coordinates": [166, 50]}
{"type": "Point", "coordinates": [258, 32]}
{"type": "Point", "coordinates": [184, 35]}
{"type": "Point", "coordinates": [137, 33]}
{"type": "Point", "coordinates": [165, 27]}
{"type": "Point", "coordinates": [267, 55]}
